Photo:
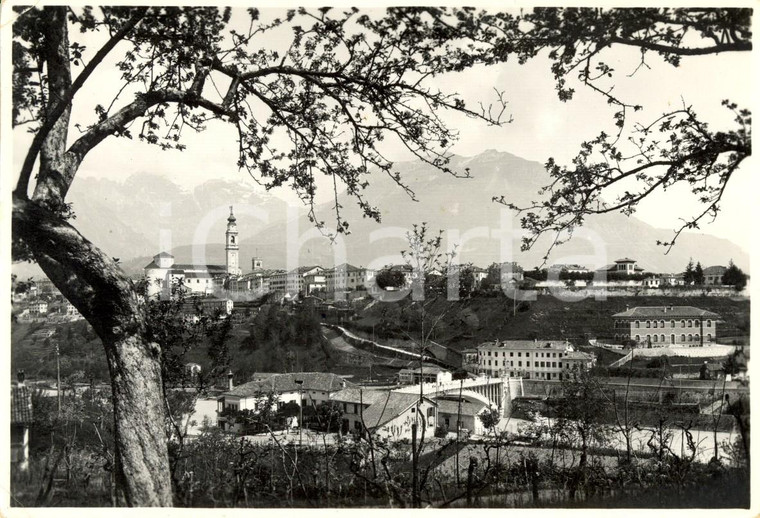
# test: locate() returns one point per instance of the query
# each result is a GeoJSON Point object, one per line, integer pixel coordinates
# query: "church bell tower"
{"type": "Point", "coordinates": [231, 246]}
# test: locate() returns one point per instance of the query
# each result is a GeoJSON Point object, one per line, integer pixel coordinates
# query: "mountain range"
{"type": "Point", "coordinates": [146, 214]}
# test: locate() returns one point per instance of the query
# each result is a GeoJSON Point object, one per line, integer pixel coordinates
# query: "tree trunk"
{"type": "Point", "coordinates": [142, 470]}
{"type": "Point", "coordinates": [101, 292]}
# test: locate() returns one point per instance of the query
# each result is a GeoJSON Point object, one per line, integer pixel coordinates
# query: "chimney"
{"type": "Point", "coordinates": [342, 383]}
{"type": "Point", "coordinates": [627, 307]}
{"type": "Point", "coordinates": [20, 376]}
{"type": "Point", "coordinates": [229, 380]}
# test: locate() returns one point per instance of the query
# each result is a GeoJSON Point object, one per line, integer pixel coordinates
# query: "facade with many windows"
{"type": "Point", "coordinates": [666, 326]}
{"type": "Point", "coordinates": [532, 359]}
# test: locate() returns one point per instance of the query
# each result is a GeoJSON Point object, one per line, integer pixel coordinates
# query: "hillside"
{"type": "Point", "coordinates": [472, 321]}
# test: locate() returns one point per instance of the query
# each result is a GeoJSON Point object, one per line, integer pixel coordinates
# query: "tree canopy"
{"type": "Point", "coordinates": [318, 92]}
{"type": "Point", "coordinates": [618, 169]}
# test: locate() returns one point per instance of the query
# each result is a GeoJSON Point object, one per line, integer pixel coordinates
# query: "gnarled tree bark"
{"type": "Point", "coordinates": [97, 287]}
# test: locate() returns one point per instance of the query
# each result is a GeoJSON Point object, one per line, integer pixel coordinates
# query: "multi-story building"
{"type": "Point", "coordinates": [663, 326]}
{"type": "Point", "coordinates": [623, 266]}
{"type": "Point", "coordinates": [38, 307]}
{"type": "Point", "coordinates": [531, 359]}
{"type": "Point", "coordinates": [164, 275]}
{"type": "Point", "coordinates": [714, 275]}
{"type": "Point", "coordinates": [345, 278]}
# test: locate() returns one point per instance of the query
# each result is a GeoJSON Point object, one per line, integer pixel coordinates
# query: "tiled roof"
{"type": "Point", "coordinates": [279, 383]}
{"type": "Point", "coordinates": [358, 395]}
{"type": "Point", "coordinates": [21, 404]}
{"type": "Point", "coordinates": [525, 344]}
{"type": "Point", "coordinates": [152, 266]}
{"type": "Point", "coordinates": [625, 260]}
{"type": "Point", "coordinates": [578, 355]}
{"type": "Point", "coordinates": [387, 408]}
{"type": "Point", "coordinates": [425, 370]}
{"type": "Point", "coordinates": [447, 406]}
{"type": "Point", "coordinates": [209, 267]}
{"type": "Point", "coordinates": [715, 270]}
{"type": "Point", "coordinates": [164, 254]}
{"type": "Point", "coordinates": [665, 312]}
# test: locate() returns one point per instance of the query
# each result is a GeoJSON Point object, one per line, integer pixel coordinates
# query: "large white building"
{"type": "Point", "coordinates": [163, 274]}
{"type": "Point", "coordinates": [665, 326]}
{"type": "Point", "coordinates": [345, 278]}
{"type": "Point", "coordinates": [532, 359]}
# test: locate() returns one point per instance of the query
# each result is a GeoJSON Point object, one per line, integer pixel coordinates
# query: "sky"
{"type": "Point", "coordinates": [542, 126]}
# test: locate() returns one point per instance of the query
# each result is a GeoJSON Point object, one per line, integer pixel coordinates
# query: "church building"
{"type": "Point", "coordinates": [198, 279]}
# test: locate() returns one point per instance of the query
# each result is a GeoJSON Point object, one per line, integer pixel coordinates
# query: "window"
{"type": "Point", "coordinates": [672, 339]}
{"type": "Point", "coordinates": [709, 337]}
{"type": "Point", "coordinates": [511, 363]}
{"type": "Point", "coordinates": [638, 338]}
{"type": "Point", "coordinates": [637, 324]}
{"type": "Point", "coordinates": [688, 323]}
{"type": "Point", "coordinates": [662, 323]}
{"type": "Point", "coordinates": [554, 365]}
{"type": "Point", "coordinates": [689, 337]}
{"type": "Point", "coordinates": [683, 323]}
{"type": "Point", "coordinates": [519, 355]}
{"type": "Point", "coordinates": [649, 324]}
{"type": "Point", "coordinates": [511, 354]}
{"type": "Point", "coordinates": [654, 338]}
{"type": "Point", "coordinates": [357, 425]}
{"type": "Point", "coordinates": [683, 338]}
{"type": "Point", "coordinates": [560, 365]}
{"type": "Point", "coordinates": [527, 364]}
{"type": "Point", "coordinates": [709, 323]}
{"type": "Point", "coordinates": [519, 363]}
{"type": "Point", "coordinates": [672, 323]}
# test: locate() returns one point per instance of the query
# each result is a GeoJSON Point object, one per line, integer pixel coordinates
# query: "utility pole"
{"type": "Point", "coordinates": [58, 369]}
{"type": "Point", "coordinates": [300, 412]}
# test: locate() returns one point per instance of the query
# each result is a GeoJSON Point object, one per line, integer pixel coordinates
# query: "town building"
{"type": "Point", "coordinates": [386, 414]}
{"type": "Point", "coordinates": [532, 359]}
{"type": "Point", "coordinates": [21, 421]}
{"type": "Point", "coordinates": [428, 374]}
{"type": "Point", "coordinates": [38, 307]}
{"type": "Point", "coordinates": [663, 326]}
{"type": "Point", "coordinates": [302, 388]}
{"type": "Point", "coordinates": [164, 276]}
{"type": "Point", "coordinates": [345, 278]}
{"type": "Point", "coordinates": [623, 266]}
{"type": "Point", "coordinates": [673, 279]}
{"type": "Point", "coordinates": [556, 269]}
{"type": "Point", "coordinates": [714, 275]}
{"type": "Point", "coordinates": [468, 414]}
{"type": "Point", "coordinates": [478, 275]}
{"type": "Point", "coordinates": [653, 281]}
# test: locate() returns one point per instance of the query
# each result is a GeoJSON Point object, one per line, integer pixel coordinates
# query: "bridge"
{"type": "Point", "coordinates": [495, 392]}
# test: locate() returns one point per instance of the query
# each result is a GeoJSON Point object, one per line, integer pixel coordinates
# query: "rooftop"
{"type": "Point", "coordinates": [666, 311]}
{"type": "Point", "coordinates": [387, 407]}
{"type": "Point", "coordinates": [279, 383]}
{"type": "Point", "coordinates": [714, 270]}
{"type": "Point", "coordinates": [525, 344]}
{"type": "Point", "coordinates": [21, 404]}
{"type": "Point", "coordinates": [448, 406]}
{"type": "Point", "coordinates": [425, 370]}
